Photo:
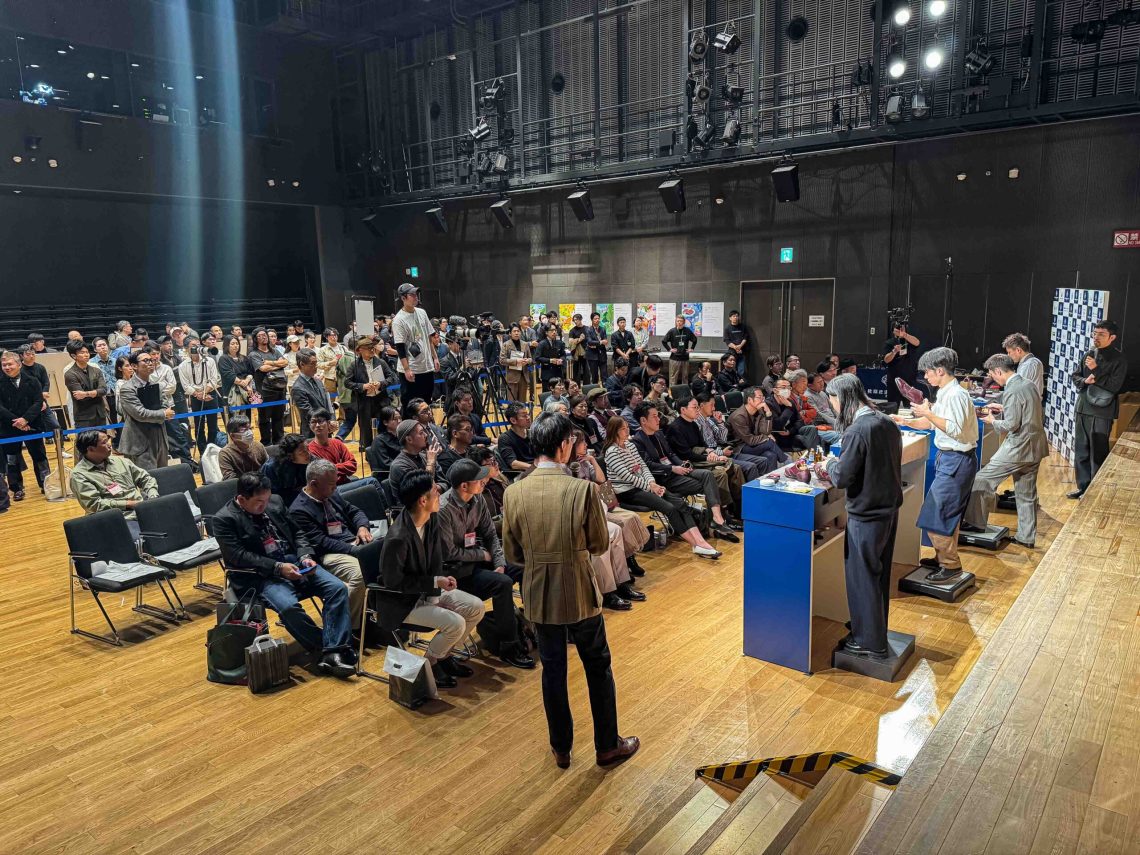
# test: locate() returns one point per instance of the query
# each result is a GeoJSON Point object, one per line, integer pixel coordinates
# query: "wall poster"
{"type": "Point", "coordinates": [648, 312]}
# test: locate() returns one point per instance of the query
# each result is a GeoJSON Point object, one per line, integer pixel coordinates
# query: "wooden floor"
{"type": "Point", "coordinates": [130, 750]}
{"type": "Point", "coordinates": [1040, 751]}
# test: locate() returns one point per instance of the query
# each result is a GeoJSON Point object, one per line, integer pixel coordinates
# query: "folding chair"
{"type": "Point", "coordinates": [174, 479]}
{"type": "Point", "coordinates": [680, 392]}
{"type": "Point", "coordinates": [211, 498]}
{"type": "Point", "coordinates": [368, 499]}
{"type": "Point", "coordinates": [373, 589]}
{"type": "Point", "coordinates": [104, 536]}
{"type": "Point", "coordinates": [168, 525]}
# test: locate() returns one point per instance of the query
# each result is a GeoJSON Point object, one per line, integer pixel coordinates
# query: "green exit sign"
{"type": "Point", "coordinates": [787, 255]}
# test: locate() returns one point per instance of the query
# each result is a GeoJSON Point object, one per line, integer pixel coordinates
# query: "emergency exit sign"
{"type": "Point", "coordinates": [787, 255]}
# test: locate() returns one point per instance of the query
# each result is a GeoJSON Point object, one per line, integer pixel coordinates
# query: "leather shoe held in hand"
{"type": "Point", "coordinates": [613, 600]}
{"type": "Point", "coordinates": [799, 471]}
{"type": "Point", "coordinates": [334, 664]}
{"type": "Point", "coordinates": [454, 667]}
{"type": "Point", "coordinates": [853, 649]}
{"type": "Point", "coordinates": [626, 591]}
{"type": "Point", "coordinates": [563, 760]}
{"type": "Point", "coordinates": [627, 746]}
{"type": "Point", "coordinates": [908, 391]}
{"type": "Point", "coordinates": [443, 680]}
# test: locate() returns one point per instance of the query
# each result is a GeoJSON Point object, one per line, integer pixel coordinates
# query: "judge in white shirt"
{"type": "Point", "coordinates": [200, 382]}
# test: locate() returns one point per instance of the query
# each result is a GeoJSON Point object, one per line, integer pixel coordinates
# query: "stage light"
{"type": "Point", "coordinates": [937, 8]}
{"type": "Point", "coordinates": [481, 130]}
{"type": "Point", "coordinates": [919, 105]}
{"type": "Point", "coordinates": [979, 61]}
{"type": "Point", "coordinates": [495, 95]}
{"type": "Point", "coordinates": [705, 137]}
{"type": "Point", "coordinates": [199, 77]}
{"type": "Point", "coordinates": [17, 159]}
{"type": "Point", "coordinates": [961, 176]}
{"type": "Point", "coordinates": [437, 219]}
{"type": "Point", "coordinates": [698, 46]}
{"type": "Point", "coordinates": [863, 75]}
{"type": "Point", "coordinates": [797, 29]}
{"type": "Point", "coordinates": [672, 193]}
{"type": "Point", "coordinates": [1014, 172]}
{"type": "Point", "coordinates": [900, 14]}
{"type": "Point", "coordinates": [270, 182]}
{"type": "Point", "coordinates": [296, 184]}
{"type": "Point", "coordinates": [90, 75]}
{"type": "Point", "coordinates": [731, 135]}
{"type": "Point", "coordinates": [1088, 32]}
{"type": "Point", "coordinates": [53, 163]}
{"type": "Point", "coordinates": [500, 163]}
{"type": "Point", "coordinates": [32, 143]}
{"type": "Point", "coordinates": [580, 202]}
{"type": "Point", "coordinates": [719, 200]}
{"type": "Point", "coordinates": [727, 40]}
{"type": "Point", "coordinates": [896, 64]}
{"type": "Point", "coordinates": [504, 213]}
{"type": "Point", "coordinates": [452, 57]}
{"type": "Point", "coordinates": [893, 111]}
{"type": "Point", "coordinates": [786, 181]}
{"type": "Point", "coordinates": [933, 58]}
{"type": "Point", "coordinates": [697, 87]}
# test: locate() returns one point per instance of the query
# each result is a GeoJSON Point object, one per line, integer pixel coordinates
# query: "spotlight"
{"type": "Point", "coordinates": [1088, 32]}
{"type": "Point", "coordinates": [731, 135]}
{"type": "Point", "coordinates": [580, 202]}
{"type": "Point", "coordinates": [90, 75]}
{"type": "Point", "coordinates": [797, 29]}
{"type": "Point", "coordinates": [786, 181]}
{"type": "Point", "coordinates": [437, 219]}
{"type": "Point", "coordinates": [979, 61]}
{"type": "Point", "coordinates": [32, 143]}
{"type": "Point", "coordinates": [504, 213]}
{"type": "Point", "coordinates": [727, 40]}
{"type": "Point", "coordinates": [919, 105]}
{"type": "Point", "coordinates": [296, 184]}
{"type": "Point", "coordinates": [863, 75]}
{"type": "Point", "coordinates": [732, 90]}
{"type": "Point", "coordinates": [506, 136]}
{"type": "Point", "coordinates": [481, 130]}
{"type": "Point", "coordinates": [53, 163]}
{"type": "Point", "coordinates": [698, 46]}
{"type": "Point", "coordinates": [893, 111]}
{"type": "Point", "coordinates": [900, 14]}
{"type": "Point", "coordinates": [494, 96]}
{"type": "Point", "coordinates": [1014, 172]}
{"type": "Point", "coordinates": [17, 159]}
{"type": "Point", "coordinates": [270, 182]}
{"type": "Point", "coordinates": [937, 8]}
{"type": "Point", "coordinates": [697, 85]}
{"type": "Point", "coordinates": [672, 193]}
{"type": "Point", "coordinates": [896, 64]}
{"type": "Point", "coordinates": [500, 163]}
{"type": "Point", "coordinates": [933, 58]}
{"type": "Point", "coordinates": [705, 137]}
{"type": "Point", "coordinates": [961, 176]}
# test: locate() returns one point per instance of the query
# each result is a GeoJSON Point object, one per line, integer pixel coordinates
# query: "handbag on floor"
{"type": "Point", "coordinates": [266, 663]}
{"type": "Point", "coordinates": [410, 681]}
{"type": "Point", "coordinates": [239, 624]}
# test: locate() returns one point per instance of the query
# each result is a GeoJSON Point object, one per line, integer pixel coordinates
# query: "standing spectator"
{"type": "Point", "coordinates": [551, 356]}
{"type": "Point", "coordinates": [1098, 379]}
{"type": "Point", "coordinates": [177, 430]}
{"type": "Point", "coordinates": [309, 393]}
{"type": "Point", "coordinates": [551, 523]}
{"type": "Point", "coordinates": [411, 334]}
{"type": "Point", "coordinates": [680, 340]}
{"type": "Point", "coordinates": [515, 358]}
{"type": "Point", "coordinates": [900, 353]}
{"type": "Point", "coordinates": [30, 368]}
{"type": "Point", "coordinates": [87, 387]}
{"type": "Point", "coordinates": [640, 340]}
{"type": "Point", "coordinates": [596, 349]}
{"type": "Point", "coordinates": [121, 337]}
{"type": "Point", "coordinates": [327, 357]}
{"type": "Point", "coordinates": [369, 385]}
{"type": "Point", "coordinates": [201, 381]}
{"type": "Point", "coordinates": [736, 340]}
{"type": "Point", "coordinates": [234, 371]}
{"type": "Point", "coordinates": [38, 344]}
{"type": "Point", "coordinates": [143, 413]}
{"type": "Point", "coordinates": [576, 343]}
{"type": "Point", "coordinates": [623, 344]}
{"type": "Point", "coordinates": [103, 361]}
{"type": "Point", "coordinates": [21, 406]}
{"type": "Point", "coordinates": [268, 369]}
{"type": "Point", "coordinates": [242, 453]}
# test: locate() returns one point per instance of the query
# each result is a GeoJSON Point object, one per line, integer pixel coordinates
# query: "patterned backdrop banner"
{"type": "Point", "coordinates": [1075, 311]}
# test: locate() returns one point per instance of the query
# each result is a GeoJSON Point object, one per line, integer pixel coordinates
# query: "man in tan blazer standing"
{"type": "Point", "coordinates": [552, 524]}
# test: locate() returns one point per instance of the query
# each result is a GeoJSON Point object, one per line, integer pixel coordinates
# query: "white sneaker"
{"type": "Point", "coordinates": [66, 456]}
{"type": "Point", "coordinates": [706, 552]}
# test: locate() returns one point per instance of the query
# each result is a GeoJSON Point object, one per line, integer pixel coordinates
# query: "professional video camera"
{"type": "Point", "coordinates": [899, 316]}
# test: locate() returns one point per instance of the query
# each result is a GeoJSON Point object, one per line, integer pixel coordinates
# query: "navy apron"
{"type": "Point", "coordinates": [950, 491]}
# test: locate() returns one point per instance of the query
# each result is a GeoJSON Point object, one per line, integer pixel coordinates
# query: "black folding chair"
{"type": "Point", "coordinates": [104, 536]}
{"type": "Point", "coordinates": [174, 479]}
{"type": "Point", "coordinates": [374, 589]}
{"type": "Point", "coordinates": [168, 525]}
{"type": "Point", "coordinates": [368, 499]}
{"type": "Point", "coordinates": [211, 498]}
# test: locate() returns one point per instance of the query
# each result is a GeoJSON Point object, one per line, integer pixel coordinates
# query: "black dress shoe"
{"type": "Point", "coordinates": [454, 667]}
{"type": "Point", "coordinates": [1076, 494]}
{"type": "Point", "coordinates": [734, 524]}
{"type": "Point", "coordinates": [334, 664]}
{"type": "Point", "coordinates": [853, 649]}
{"type": "Point", "coordinates": [517, 657]}
{"type": "Point", "coordinates": [1023, 543]}
{"type": "Point", "coordinates": [627, 746]}
{"type": "Point", "coordinates": [628, 592]}
{"type": "Point", "coordinates": [635, 569]}
{"type": "Point", "coordinates": [968, 527]}
{"type": "Point", "coordinates": [18, 495]}
{"type": "Point", "coordinates": [443, 680]}
{"type": "Point", "coordinates": [725, 533]}
{"type": "Point", "coordinates": [563, 760]}
{"type": "Point", "coordinates": [943, 574]}
{"type": "Point", "coordinates": [614, 601]}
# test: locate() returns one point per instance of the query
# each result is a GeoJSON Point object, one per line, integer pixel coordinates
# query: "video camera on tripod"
{"type": "Point", "coordinates": [899, 316]}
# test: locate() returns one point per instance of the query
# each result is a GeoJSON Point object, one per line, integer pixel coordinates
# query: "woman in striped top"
{"type": "Point", "coordinates": [634, 485]}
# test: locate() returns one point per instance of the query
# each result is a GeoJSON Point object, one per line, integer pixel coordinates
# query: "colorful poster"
{"type": "Point", "coordinates": [537, 309]}
{"type": "Point", "coordinates": [693, 314]}
{"type": "Point", "coordinates": [567, 311]}
{"type": "Point", "coordinates": [606, 310]}
{"type": "Point", "coordinates": [648, 312]}
{"type": "Point", "coordinates": [624, 310]}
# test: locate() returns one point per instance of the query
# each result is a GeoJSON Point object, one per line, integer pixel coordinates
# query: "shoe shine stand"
{"type": "Point", "coordinates": [994, 537]}
{"type": "Point", "coordinates": [900, 646]}
{"type": "Point", "coordinates": [950, 591]}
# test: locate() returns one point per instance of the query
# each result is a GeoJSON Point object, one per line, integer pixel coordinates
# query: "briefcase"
{"type": "Point", "coordinates": [266, 663]}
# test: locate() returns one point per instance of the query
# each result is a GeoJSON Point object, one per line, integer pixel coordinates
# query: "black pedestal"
{"type": "Point", "coordinates": [994, 537]}
{"type": "Point", "coordinates": [901, 647]}
{"type": "Point", "coordinates": [952, 590]}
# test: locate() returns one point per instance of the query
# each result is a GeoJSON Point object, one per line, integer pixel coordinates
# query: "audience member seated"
{"type": "Point", "coordinates": [633, 398]}
{"type": "Point", "coordinates": [463, 403]}
{"type": "Point", "coordinates": [775, 372]}
{"type": "Point", "coordinates": [419, 410]}
{"type": "Point", "coordinates": [729, 379]}
{"type": "Point", "coordinates": [339, 533]}
{"type": "Point", "coordinates": [87, 387]}
{"type": "Point", "coordinates": [459, 436]}
{"type": "Point", "coordinates": [514, 448]}
{"type": "Point", "coordinates": [265, 553]}
{"type": "Point", "coordinates": [847, 366]}
{"type": "Point", "coordinates": [102, 480]}
{"type": "Point", "coordinates": [643, 375]}
{"type": "Point", "coordinates": [309, 393]}
{"type": "Point", "coordinates": [326, 446]}
{"type": "Point", "coordinates": [286, 469]}
{"type": "Point", "coordinates": [496, 485]}
{"type": "Point", "coordinates": [660, 398]}
{"type": "Point", "coordinates": [600, 410]}
{"type": "Point", "coordinates": [616, 382]}
{"type": "Point", "coordinates": [798, 378]}
{"type": "Point", "coordinates": [688, 443]}
{"type": "Point", "coordinates": [242, 453]}
{"type": "Point", "coordinates": [787, 424]}
{"type": "Point", "coordinates": [750, 432]}
{"type": "Point", "coordinates": [420, 453]}
{"type": "Point", "coordinates": [475, 557]}
{"type": "Point", "coordinates": [556, 395]}
{"type": "Point", "coordinates": [141, 407]}
{"type": "Point", "coordinates": [411, 566]}
{"type": "Point", "coordinates": [714, 432]}
{"type": "Point", "coordinates": [818, 397]}
{"type": "Point", "coordinates": [675, 474]}
{"type": "Point", "coordinates": [385, 447]}
{"type": "Point", "coordinates": [704, 381]}
{"type": "Point", "coordinates": [580, 418]}
{"type": "Point", "coordinates": [634, 485]}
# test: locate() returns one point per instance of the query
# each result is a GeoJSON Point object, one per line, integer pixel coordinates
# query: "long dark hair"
{"type": "Point", "coordinates": [613, 428]}
{"type": "Point", "coordinates": [849, 390]}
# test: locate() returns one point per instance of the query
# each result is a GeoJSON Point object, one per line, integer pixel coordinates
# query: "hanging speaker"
{"type": "Point", "coordinates": [437, 219]}
{"type": "Point", "coordinates": [504, 213]}
{"type": "Point", "coordinates": [583, 208]}
{"type": "Point", "coordinates": [786, 182]}
{"type": "Point", "coordinates": [88, 134]}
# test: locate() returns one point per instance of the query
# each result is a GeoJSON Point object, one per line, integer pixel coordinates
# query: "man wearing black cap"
{"type": "Point", "coordinates": [479, 565]}
{"type": "Point", "coordinates": [419, 455]}
{"type": "Point", "coordinates": [411, 333]}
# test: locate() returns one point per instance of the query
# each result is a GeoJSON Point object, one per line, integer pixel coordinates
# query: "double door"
{"type": "Point", "coordinates": [788, 316]}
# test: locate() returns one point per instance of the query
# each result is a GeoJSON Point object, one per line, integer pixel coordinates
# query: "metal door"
{"type": "Point", "coordinates": [789, 316]}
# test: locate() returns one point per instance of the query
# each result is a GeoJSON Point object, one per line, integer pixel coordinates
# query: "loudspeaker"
{"type": "Point", "coordinates": [673, 195]}
{"type": "Point", "coordinates": [504, 213]}
{"type": "Point", "coordinates": [437, 219]}
{"type": "Point", "coordinates": [583, 208]}
{"type": "Point", "coordinates": [88, 134]}
{"type": "Point", "coordinates": [666, 140]}
{"type": "Point", "coordinates": [786, 181]}
{"type": "Point", "coordinates": [369, 221]}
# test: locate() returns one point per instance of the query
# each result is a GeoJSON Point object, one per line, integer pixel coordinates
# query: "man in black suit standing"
{"type": "Point", "coordinates": [1098, 379]}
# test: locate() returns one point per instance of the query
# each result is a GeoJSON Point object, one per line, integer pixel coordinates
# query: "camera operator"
{"type": "Point", "coordinates": [900, 355]}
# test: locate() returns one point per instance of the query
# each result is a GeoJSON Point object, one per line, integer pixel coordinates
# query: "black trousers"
{"type": "Point", "coordinates": [867, 567]}
{"type": "Point", "coordinates": [1090, 447]}
{"type": "Point", "coordinates": [673, 506]}
{"type": "Point", "coordinates": [205, 427]}
{"type": "Point", "coordinates": [422, 387]}
{"type": "Point", "coordinates": [15, 462]}
{"type": "Point", "coordinates": [595, 369]}
{"type": "Point", "coordinates": [589, 638]}
{"type": "Point", "coordinates": [271, 420]}
{"type": "Point", "coordinates": [486, 584]}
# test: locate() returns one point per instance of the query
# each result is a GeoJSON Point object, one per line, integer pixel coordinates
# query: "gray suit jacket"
{"type": "Point", "coordinates": [140, 424]}
{"type": "Point", "coordinates": [1022, 422]}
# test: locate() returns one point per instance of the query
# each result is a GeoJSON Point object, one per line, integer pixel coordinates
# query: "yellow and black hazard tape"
{"type": "Point", "coordinates": [795, 766]}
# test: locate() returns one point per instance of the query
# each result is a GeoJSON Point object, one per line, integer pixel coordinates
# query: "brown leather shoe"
{"type": "Point", "coordinates": [563, 760]}
{"type": "Point", "coordinates": [627, 746]}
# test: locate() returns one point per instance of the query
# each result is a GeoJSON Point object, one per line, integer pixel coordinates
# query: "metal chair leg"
{"type": "Point", "coordinates": [114, 640]}
{"type": "Point", "coordinates": [360, 670]}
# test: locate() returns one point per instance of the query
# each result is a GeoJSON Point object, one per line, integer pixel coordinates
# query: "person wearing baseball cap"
{"type": "Point", "coordinates": [411, 333]}
{"type": "Point", "coordinates": [479, 565]}
{"type": "Point", "coordinates": [418, 455]}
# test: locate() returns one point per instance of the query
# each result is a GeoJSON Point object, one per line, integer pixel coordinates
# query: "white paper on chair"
{"type": "Point", "coordinates": [180, 556]}
{"type": "Point", "coordinates": [116, 572]}
{"type": "Point", "coordinates": [406, 666]}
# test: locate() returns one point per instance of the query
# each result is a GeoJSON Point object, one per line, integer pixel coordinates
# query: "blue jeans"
{"type": "Point", "coordinates": [352, 485]}
{"type": "Point", "coordinates": [284, 597]}
{"type": "Point", "coordinates": [827, 436]}
{"type": "Point", "coordinates": [347, 421]}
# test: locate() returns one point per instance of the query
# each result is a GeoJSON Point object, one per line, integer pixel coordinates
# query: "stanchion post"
{"type": "Point", "coordinates": [60, 466]}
